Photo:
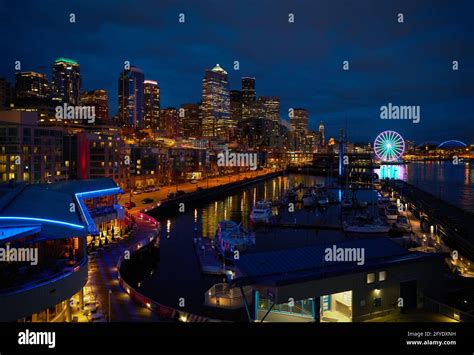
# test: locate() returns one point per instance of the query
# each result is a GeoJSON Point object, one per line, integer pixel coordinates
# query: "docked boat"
{"type": "Point", "coordinates": [323, 201]}
{"type": "Point", "coordinates": [391, 212]}
{"type": "Point", "coordinates": [262, 212]}
{"type": "Point", "coordinates": [309, 198]}
{"type": "Point", "coordinates": [362, 224]}
{"type": "Point", "coordinates": [291, 195]}
{"type": "Point", "coordinates": [231, 237]}
{"type": "Point", "coordinates": [346, 204]}
{"type": "Point", "coordinates": [402, 224]}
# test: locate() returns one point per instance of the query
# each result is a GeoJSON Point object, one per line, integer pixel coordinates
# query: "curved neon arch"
{"type": "Point", "coordinates": [42, 220]}
{"type": "Point", "coordinates": [452, 141]}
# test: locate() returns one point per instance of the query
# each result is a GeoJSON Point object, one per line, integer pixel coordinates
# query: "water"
{"type": "Point", "coordinates": [178, 273]}
{"type": "Point", "coordinates": [453, 183]}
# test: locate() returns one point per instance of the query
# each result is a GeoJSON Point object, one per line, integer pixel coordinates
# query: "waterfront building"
{"type": "Point", "coordinates": [32, 84]}
{"type": "Point", "coordinates": [66, 81]}
{"type": "Point", "coordinates": [98, 99]}
{"type": "Point", "coordinates": [41, 290]}
{"type": "Point", "coordinates": [130, 97]}
{"type": "Point", "coordinates": [150, 166]}
{"type": "Point", "coordinates": [302, 284]}
{"type": "Point", "coordinates": [28, 152]}
{"type": "Point", "coordinates": [90, 155]}
{"type": "Point", "coordinates": [215, 103]}
{"type": "Point", "coordinates": [151, 104]}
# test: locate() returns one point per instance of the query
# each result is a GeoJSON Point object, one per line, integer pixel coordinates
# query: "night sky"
{"type": "Point", "coordinates": [406, 64]}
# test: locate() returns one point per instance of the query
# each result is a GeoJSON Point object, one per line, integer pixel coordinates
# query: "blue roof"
{"type": "Point", "coordinates": [49, 205]}
{"type": "Point", "coordinates": [298, 263]}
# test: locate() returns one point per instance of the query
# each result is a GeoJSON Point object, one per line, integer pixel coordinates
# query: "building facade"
{"type": "Point", "coordinates": [151, 98]}
{"type": "Point", "coordinates": [215, 103]}
{"type": "Point", "coordinates": [66, 81]}
{"type": "Point", "coordinates": [130, 97]}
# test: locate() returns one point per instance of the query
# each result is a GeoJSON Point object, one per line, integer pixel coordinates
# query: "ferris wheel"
{"type": "Point", "coordinates": [389, 146]}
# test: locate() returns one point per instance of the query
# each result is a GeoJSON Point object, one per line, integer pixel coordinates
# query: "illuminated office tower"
{"type": "Point", "coordinates": [98, 99]}
{"type": "Point", "coordinates": [271, 107]}
{"type": "Point", "coordinates": [299, 123]}
{"type": "Point", "coordinates": [66, 81]}
{"type": "Point", "coordinates": [248, 89]}
{"type": "Point", "coordinates": [235, 107]}
{"type": "Point", "coordinates": [191, 120]}
{"type": "Point", "coordinates": [321, 132]}
{"type": "Point", "coordinates": [250, 107]}
{"type": "Point", "coordinates": [215, 103]}
{"type": "Point", "coordinates": [32, 84]}
{"type": "Point", "coordinates": [151, 104]}
{"type": "Point", "coordinates": [130, 97]}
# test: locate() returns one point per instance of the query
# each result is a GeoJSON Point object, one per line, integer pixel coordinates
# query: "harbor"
{"type": "Point", "coordinates": [189, 247]}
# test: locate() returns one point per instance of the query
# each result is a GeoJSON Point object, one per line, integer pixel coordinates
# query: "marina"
{"type": "Point", "coordinates": [373, 214]}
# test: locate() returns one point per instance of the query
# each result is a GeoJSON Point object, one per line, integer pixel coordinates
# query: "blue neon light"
{"type": "Point", "coordinates": [113, 189]}
{"type": "Point", "coordinates": [43, 220]}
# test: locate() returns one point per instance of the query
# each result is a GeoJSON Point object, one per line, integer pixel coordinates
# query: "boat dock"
{"type": "Point", "coordinates": [451, 223]}
{"type": "Point", "coordinates": [306, 226]}
{"type": "Point", "coordinates": [209, 261]}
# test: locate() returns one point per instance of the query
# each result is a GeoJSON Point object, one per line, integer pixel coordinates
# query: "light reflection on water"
{"type": "Point", "coordinates": [454, 183]}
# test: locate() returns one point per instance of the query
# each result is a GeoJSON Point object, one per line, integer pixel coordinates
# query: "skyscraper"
{"type": "Point", "coordinates": [271, 107]}
{"type": "Point", "coordinates": [215, 103]}
{"type": "Point", "coordinates": [299, 123]}
{"type": "Point", "coordinates": [192, 120]}
{"type": "Point", "coordinates": [248, 89]}
{"type": "Point", "coordinates": [66, 81]}
{"type": "Point", "coordinates": [235, 107]}
{"type": "Point", "coordinates": [250, 108]}
{"type": "Point", "coordinates": [98, 99]}
{"type": "Point", "coordinates": [299, 120]}
{"type": "Point", "coordinates": [151, 104]}
{"type": "Point", "coordinates": [130, 97]}
{"type": "Point", "coordinates": [31, 84]}
{"type": "Point", "coordinates": [321, 132]}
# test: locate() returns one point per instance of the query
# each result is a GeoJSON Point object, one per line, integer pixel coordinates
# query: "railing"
{"type": "Point", "coordinates": [68, 270]}
{"type": "Point", "coordinates": [445, 310]}
{"type": "Point", "coordinates": [222, 296]}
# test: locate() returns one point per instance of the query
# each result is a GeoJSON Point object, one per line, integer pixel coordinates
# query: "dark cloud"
{"type": "Point", "coordinates": [407, 63]}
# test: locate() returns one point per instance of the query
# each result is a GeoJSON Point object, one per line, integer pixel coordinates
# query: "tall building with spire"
{"type": "Point", "coordinates": [215, 103]}
{"type": "Point", "coordinates": [151, 98]}
{"type": "Point", "coordinates": [321, 132]}
{"type": "Point", "coordinates": [130, 97]}
{"type": "Point", "coordinates": [66, 81]}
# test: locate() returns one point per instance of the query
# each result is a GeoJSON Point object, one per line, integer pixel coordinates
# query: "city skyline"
{"type": "Point", "coordinates": [404, 63]}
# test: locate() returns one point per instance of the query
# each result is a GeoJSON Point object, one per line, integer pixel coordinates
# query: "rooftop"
{"type": "Point", "coordinates": [57, 208]}
{"type": "Point", "coordinates": [293, 265]}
